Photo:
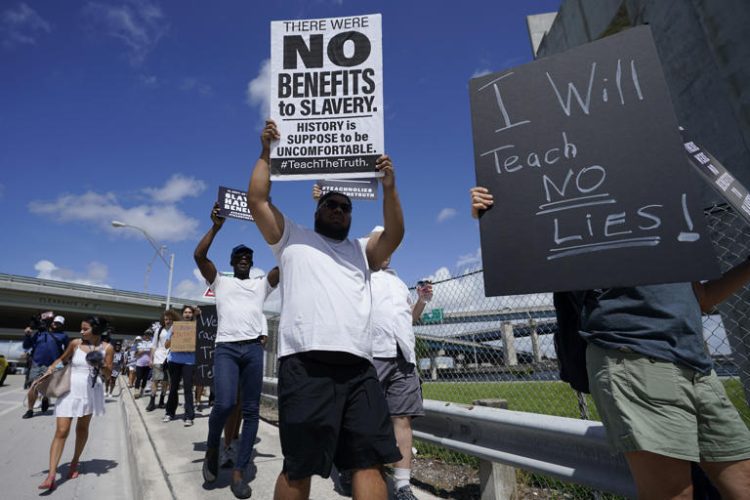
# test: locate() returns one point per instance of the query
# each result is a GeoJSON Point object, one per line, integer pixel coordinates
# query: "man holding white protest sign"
{"type": "Point", "coordinates": [331, 406]}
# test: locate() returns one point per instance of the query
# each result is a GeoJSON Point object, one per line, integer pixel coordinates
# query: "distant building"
{"type": "Point", "coordinates": [704, 48]}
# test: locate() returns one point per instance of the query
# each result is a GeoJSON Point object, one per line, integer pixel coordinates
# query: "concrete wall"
{"type": "Point", "coordinates": [704, 48]}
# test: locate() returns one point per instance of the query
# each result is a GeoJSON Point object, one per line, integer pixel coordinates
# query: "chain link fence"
{"type": "Point", "coordinates": [499, 351]}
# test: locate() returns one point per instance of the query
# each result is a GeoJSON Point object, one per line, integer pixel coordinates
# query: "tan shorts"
{"type": "Point", "coordinates": [657, 406]}
{"type": "Point", "coordinates": [158, 374]}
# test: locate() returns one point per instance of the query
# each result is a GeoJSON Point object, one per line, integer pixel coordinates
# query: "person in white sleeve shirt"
{"type": "Point", "coordinates": [238, 356]}
{"type": "Point", "coordinates": [331, 407]}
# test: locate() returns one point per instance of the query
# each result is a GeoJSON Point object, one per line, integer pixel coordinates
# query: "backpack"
{"type": "Point", "coordinates": [570, 347]}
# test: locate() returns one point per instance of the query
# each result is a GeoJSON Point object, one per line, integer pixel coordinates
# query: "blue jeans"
{"type": "Point", "coordinates": [237, 362]}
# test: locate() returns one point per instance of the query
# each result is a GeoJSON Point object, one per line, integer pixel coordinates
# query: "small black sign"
{"type": "Point", "coordinates": [207, 322]}
{"type": "Point", "coordinates": [233, 204]}
{"type": "Point", "coordinates": [582, 154]}
{"type": "Point", "coordinates": [360, 189]}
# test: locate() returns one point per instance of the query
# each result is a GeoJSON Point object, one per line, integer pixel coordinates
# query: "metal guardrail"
{"type": "Point", "coordinates": [569, 449]}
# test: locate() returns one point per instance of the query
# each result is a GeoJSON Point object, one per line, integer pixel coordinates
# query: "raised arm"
{"type": "Point", "coordinates": [267, 217]}
{"type": "Point", "coordinates": [205, 266]}
{"type": "Point", "coordinates": [712, 293]}
{"type": "Point", "coordinates": [424, 295]}
{"type": "Point", "coordinates": [381, 245]}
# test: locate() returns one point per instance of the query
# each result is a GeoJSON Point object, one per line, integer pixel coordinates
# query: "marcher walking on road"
{"type": "Point", "coordinates": [238, 356]}
{"type": "Point", "coordinates": [91, 363]}
{"type": "Point", "coordinates": [46, 345]}
{"type": "Point", "coordinates": [331, 407]}
{"type": "Point", "coordinates": [142, 362]}
{"type": "Point", "coordinates": [118, 364]}
{"type": "Point", "coordinates": [158, 353]}
{"type": "Point", "coordinates": [181, 366]}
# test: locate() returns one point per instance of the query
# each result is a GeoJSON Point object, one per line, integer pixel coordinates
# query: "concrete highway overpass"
{"type": "Point", "coordinates": [129, 312]}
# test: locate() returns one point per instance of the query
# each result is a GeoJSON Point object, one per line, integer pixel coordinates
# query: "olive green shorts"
{"type": "Point", "coordinates": [657, 406]}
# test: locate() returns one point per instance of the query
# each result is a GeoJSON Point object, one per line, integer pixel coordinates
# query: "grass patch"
{"type": "Point", "coordinates": [546, 397]}
{"type": "Point", "coordinates": [737, 397]}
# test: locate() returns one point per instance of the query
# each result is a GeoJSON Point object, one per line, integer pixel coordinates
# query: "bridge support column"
{"type": "Point", "coordinates": [535, 342]}
{"type": "Point", "coordinates": [509, 347]}
{"type": "Point", "coordinates": [497, 481]}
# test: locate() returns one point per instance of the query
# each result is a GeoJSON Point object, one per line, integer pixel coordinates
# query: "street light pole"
{"type": "Point", "coordinates": [169, 285]}
{"type": "Point", "coordinates": [160, 251]}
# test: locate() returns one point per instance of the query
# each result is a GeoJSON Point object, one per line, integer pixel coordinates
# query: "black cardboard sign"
{"type": "Point", "coordinates": [582, 154]}
{"type": "Point", "coordinates": [233, 204]}
{"type": "Point", "coordinates": [206, 324]}
{"type": "Point", "coordinates": [357, 189]}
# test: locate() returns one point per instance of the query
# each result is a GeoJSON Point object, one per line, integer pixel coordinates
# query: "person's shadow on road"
{"type": "Point", "coordinates": [96, 466]}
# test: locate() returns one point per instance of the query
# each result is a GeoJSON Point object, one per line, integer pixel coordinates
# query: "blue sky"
{"type": "Point", "coordinates": [138, 110]}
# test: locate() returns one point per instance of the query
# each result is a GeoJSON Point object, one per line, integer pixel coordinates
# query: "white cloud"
{"type": "Point", "coordinates": [22, 26]}
{"type": "Point", "coordinates": [96, 273]}
{"type": "Point", "coordinates": [470, 261]}
{"type": "Point", "coordinates": [149, 81]}
{"type": "Point", "coordinates": [259, 90]}
{"type": "Point", "coordinates": [481, 72]}
{"type": "Point", "coordinates": [191, 288]}
{"type": "Point", "coordinates": [161, 218]}
{"type": "Point", "coordinates": [445, 214]}
{"type": "Point", "coordinates": [175, 189]}
{"type": "Point", "coordinates": [196, 85]}
{"type": "Point", "coordinates": [139, 24]}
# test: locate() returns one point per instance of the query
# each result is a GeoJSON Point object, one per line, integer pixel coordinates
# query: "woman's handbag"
{"type": "Point", "coordinates": [55, 384]}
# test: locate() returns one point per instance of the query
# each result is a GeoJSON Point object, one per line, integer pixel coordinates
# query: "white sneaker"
{"type": "Point", "coordinates": [188, 423]}
{"type": "Point", "coordinates": [166, 419]}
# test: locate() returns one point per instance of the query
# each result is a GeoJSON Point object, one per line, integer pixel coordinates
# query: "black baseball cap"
{"type": "Point", "coordinates": [241, 249]}
{"type": "Point", "coordinates": [332, 193]}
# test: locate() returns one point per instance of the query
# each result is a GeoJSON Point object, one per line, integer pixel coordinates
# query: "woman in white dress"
{"type": "Point", "coordinates": [86, 396]}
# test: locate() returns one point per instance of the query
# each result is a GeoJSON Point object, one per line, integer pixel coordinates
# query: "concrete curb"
{"type": "Point", "coordinates": [148, 478]}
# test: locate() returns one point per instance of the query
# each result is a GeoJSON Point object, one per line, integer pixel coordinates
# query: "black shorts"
{"type": "Point", "coordinates": [332, 414]}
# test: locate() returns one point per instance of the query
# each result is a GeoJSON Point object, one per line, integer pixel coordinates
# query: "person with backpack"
{"type": "Point", "coordinates": [653, 382]}
{"type": "Point", "coordinates": [47, 344]}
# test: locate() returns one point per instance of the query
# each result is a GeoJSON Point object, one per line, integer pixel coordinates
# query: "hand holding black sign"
{"type": "Point", "coordinates": [582, 155]}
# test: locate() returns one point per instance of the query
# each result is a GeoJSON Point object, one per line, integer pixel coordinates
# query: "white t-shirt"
{"type": "Point", "coordinates": [391, 317]}
{"type": "Point", "coordinates": [160, 350]}
{"type": "Point", "coordinates": [325, 293]}
{"type": "Point", "coordinates": [239, 307]}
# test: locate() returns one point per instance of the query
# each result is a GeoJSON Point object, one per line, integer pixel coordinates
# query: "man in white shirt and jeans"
{"type": "Point", "coordinates": [238, 356]}
{"type": "Point", "coordinates": [331, 407]}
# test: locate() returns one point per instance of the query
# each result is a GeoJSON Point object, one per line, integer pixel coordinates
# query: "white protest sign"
{"type": "Point", "coordinates": [327, 97]}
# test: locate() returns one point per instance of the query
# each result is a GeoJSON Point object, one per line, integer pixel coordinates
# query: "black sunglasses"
{"type": "Point", "coordinates": [333, 205]}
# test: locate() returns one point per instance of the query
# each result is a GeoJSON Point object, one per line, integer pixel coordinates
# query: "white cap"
{"type": "Point", "coordinates": [59, 319]}
{"type": "Point", "coordinates": [138, 338]}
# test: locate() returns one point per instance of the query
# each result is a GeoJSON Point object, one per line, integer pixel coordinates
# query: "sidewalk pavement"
{"type": "Point", "coordinates": [166, 458]}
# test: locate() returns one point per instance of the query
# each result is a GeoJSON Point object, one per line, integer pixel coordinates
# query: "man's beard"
{"type": "Point", "coordinates": [329, 231]}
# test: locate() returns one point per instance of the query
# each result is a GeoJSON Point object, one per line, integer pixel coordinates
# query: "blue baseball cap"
{"type": "Point", "coordinates": [241, 249]}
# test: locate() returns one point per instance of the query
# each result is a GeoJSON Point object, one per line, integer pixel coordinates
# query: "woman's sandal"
{"type": "Point", "coordinates": [48, 484]}
{"type": "Point", "coordinates": [73, 472]}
